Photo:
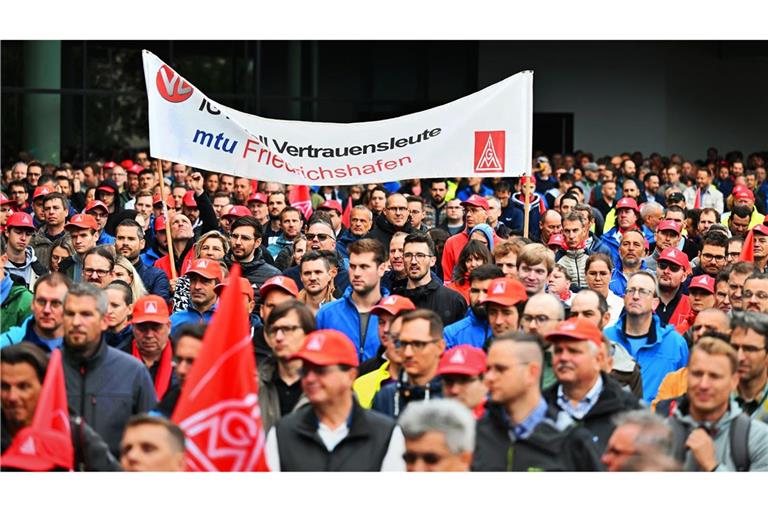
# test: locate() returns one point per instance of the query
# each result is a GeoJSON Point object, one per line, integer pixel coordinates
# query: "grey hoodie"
{"type": "Point", "coordinates": [25, 272]}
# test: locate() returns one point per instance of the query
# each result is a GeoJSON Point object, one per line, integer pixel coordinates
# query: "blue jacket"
{"type": "Point", "coordinates": [26, 332]}
{"type": "Point", "coordinates": [105, 239]}
{"type": "Point", "coordinates": [618, 284]}
{"type": "Point", "coordinates": [154, 279]}
{"type": "Point", "coordinates": [404, 393]}
{"type": "Point", "coordinates": [665, 351]}
{"type": "Point", "coordinates": [150, 256]}
{"type": "Point", "coordinates": [190, 316]}
{"type": "Point", "coordinates": [342, 315]}
{"type": "Point", "coordinates": [467, 191]}
{"type": "Point", "coordinates": [610, 240]}
{"type": "Point", "coordinates": [470, 330]}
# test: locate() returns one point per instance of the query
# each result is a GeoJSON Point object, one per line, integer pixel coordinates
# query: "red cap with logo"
{"type": "Point", "coordinates": [669, 225]}
{"type": "Point", "coordinates": [393, 304]}
{"type": "Point", "coordinates": [41, 192]}
{"type": "Point", "coordinates": [4, 200]}
{"type": "Point", "coordinates": [135, 169]}
{"type": "Point", "coordinates": [82, 220]}
{"type": "Point", "coordinates": [462, 360]}
{"type": "Point", "coordinates": [761, 229]}
{"type": "Point", "coordinates": [126, 164]}
{"type": "Point", "coordinates": [505, 291]}
{"type": "Point", "coordinates": [557, 239]}
{"type": "Point", "coordinates": [189, 199]}
{"type": "Point", "coordinates": [92, 205]}
{"type": "Point", "coordinates": [109, 165]}
{"type": "Point", "coordinates": [238, 211]}
{"type": "Point", "coordinates": [703, 282]}
{"type": "Point", "coordinates": [477, 201]}
{"type": "Point", "coordinates": [327, 347]}
{"type": "Point", "coordinates": [160, 223]}
{"type": "Point", "coordinates": [258, 197]}
{"type": "Point", "coordinates": [245, 287]}
{"type": "Point", "coordinates": [330, 204]}
{"type": "Point", "coordinates": [20, 220]}
{"type": "Point", "coordinates": [675, 255]}
{"type": "Point", "coordinates": [283, 283]}
{"type": "Point", "coordinates": [209, 269]}
{"type": "Point", "coordinates": [627, 202]}
{"type": "Point", "coordinates": [742, 192]}
{"type": "Point", "coordinates": [575, 329]}
{"type": "Point", "coordinates": [150, 308]}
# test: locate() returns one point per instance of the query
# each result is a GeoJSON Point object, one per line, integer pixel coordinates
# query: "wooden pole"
{"type": "Point", "coordinates": [526, 215]}
{"type": "Point", "coordinates": [167, 220]}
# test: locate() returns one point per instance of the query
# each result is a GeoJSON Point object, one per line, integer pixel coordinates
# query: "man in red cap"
{"type": "Point", "coordinates": [504, 301]}
{"type": "Point", "coordinates": [84, 232]}
{"type": "Point", "coordinates": [189, 207]}
{"type": "Point", "coordinates": [667, 235]}
{"type": "Point", "coordinates": [332, 208]}
{"type": "Point", "coordinates": [38, 201]}
{"type": "Point", "coordinates": [229, 214]}
{"type": "Point", "coordinates": [672, 270]}
{"type": "Point", "coordinates": [395, 219]}
{"type": "Point", "coordinates": [108, 192]}
{"type": "Point", "coordinates": [204, 274]}
{"type": "Point", "coordinates": [474, 328]}
{"type": "Point", "coordinates": [462, 369]}
{"type": "Point", "coordinates": [99, 211]}
{"type": "Point", "coordinates": [257, 203]}
{"type": "Point", "coordinates": [583, 391]}
{"type": "Point", "coordinates": [701, 293]}
{"type": "Point", "coordinates": [275, 291]}
{"type": "Point", "coordinates": [476, 212]}
{"type": "Point", "coordinates": [744, 205]}
{"type": "Point", "coordinates": [151, 344]}
{"type": "Point", "coordinates": [22, 261]}
{"type": "Point", "coordinates": [627, 218]}
{"type": "Point", "coordinates": [704, 195]}
{"type": "Point", "coordinates": [131, 184]}
{"type": "Point", "coordinates": [351, 438]}
{"type": "Point", "coordinates": [760, 244]}
{"type": "Point", "coordinates": [6, 209]}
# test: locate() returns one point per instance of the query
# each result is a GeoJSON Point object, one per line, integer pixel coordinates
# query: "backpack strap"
{"type": "Point", "coordinates": [680, 433]}
{"type": "Point", "coordinates": [739, 439]}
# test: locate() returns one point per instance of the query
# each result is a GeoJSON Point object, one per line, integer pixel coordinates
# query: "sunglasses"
{"type": "Point", "coordinates": [664, 265]}
{"type": "Point", "coordinates": [322, 237]}
{"type": "Point", "coordinates": [428, 458]}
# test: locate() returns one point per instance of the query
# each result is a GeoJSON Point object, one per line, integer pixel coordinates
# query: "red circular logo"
{"type": "Point", "coordinates": [171, 86]}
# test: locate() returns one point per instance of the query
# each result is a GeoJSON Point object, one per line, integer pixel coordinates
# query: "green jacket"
{"type": "Point", "coordinates": [16, 307]}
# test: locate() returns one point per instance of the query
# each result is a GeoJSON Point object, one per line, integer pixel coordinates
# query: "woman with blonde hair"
{"type": "Point", "coordinates": [212, 245]}
{"type": "Point", "coordinates": [124, 271]}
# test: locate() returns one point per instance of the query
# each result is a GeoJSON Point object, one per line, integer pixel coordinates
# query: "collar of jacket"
{"type": "Point", "coordinates": [610, 401]}
{"type": "Point", "coordinates": [382, 222]}
{"type": "Point", "coordinates": [554, 419]}
{"type": "Point", "coordinates": [78, 361]}
{"type": "Point", "coordinates": [258, 260]}
{"type": "Point", "coordinates": [420, 291]}
{"type": "Point", "coordinates": [356, 422]}
{"type": "Point", "coordinates": [653, 335]}
{"type": "Point", "coordinates": [682, 413]}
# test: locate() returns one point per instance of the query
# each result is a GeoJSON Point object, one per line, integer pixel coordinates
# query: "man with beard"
{"type": "Point", "coordinates": [129, 242]}
{"type": "Point", "coordinates": [246, 250]}
{"type": "Point", "coordinates": [395, 219]}
{"type": "Point", "coordinates": [320, 237]}
{"type": "Point", "coordinates": [712, 256]}
{"type": "Point", "coordinates": [438, 189]}
{"type": "Point", "coordinates": [704, 195]}
{"type": "Point", "coordinates": [474, 328]}
{"type": "Point", "coordinates": [738, 221]}
{"type": "Point", "coordinates": [275, 204]}
{"type": "Point", "coordinates": [631, 253]}
{"type": "Point", "coordinates": [242, 190]}
{"type": "Point", "coordinates": [674, 306]}
{"type": "Point", "coordinates": [608, 196]}
{"type": "Point", "coordinates": [317, 277]}
{"type": "Point", "coordinates": [667, 235]}
{"type": "Point", "coordinates": [744, 207]}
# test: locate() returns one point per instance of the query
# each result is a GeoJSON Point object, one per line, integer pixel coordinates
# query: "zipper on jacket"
{"type": "Point", "coordinates": [82, 392]}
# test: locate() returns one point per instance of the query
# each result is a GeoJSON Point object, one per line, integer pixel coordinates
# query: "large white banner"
{"type": "Point", "coordinates": [485, 134]}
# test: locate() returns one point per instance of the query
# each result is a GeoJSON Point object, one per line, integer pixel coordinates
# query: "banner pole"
{"type": "Point", "coordinates": [526, 214]}
{"type": "Point", "coordinates": [167, 220]}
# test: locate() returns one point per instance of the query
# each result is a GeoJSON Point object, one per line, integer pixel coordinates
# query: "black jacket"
{"type": "Point", "coordinates": [447, 303]}
{"type": "Point", "coordinates": [404, 393]}
{"type": "Point", "coordinates": [599, 420]}
{"type": "Point", "coordinates": [383, 230]}
{"type": "Point", "coordinates": [208, 219]}
{"type": "Point", "coordinates": [256, 271]}
{"type": "Point", "coordinates": [556, 444]}
{"type": "Point", "coordinates": [364, 448]}
{"type": "Point", "coordinates": [120, 340]}
{"type": "Point", "coordinates": [107, 389]}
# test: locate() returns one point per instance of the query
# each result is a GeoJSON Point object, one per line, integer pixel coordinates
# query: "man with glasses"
{"type": "Point", "coordinates": [672, 270]}
{"type": "Point", "coordinates": [45, 326]}
{"type": "Point", "coordinates": [100, 212]}
{"type": "Point", "coordinates": [98, 264]}
{"type": "Point", "coordinates": [541, 314]}
{"type": "Point", "coordinates": [462, 369]}
{"type": "Point", "coordinates": [750, 340]}
{"type": "Point", "coordinates": [735, 245]}
{"type": "Point", "coordinates": [658, 349]}
{"type": "Point", "coordinates": [151, 341]}
{"type": "Point", "coordinates": [350, 438]}
{"type": "Point", "coordinates": [247, 251]}
{"type": "Point", "coordinates": [422, 288]}
{"type": "Point", "coordinates": [712, 257]}
{"type": "Point", "coordinates": [17, 192]}
{"type": "Point", "coordinates": [639, 435]}
{"type": "Point", "coordinates": [755, 294]}
{"type": "Point", "coordinates": [421, 344]}
{"type": "Point", "coordinates": [395, 218]}
{"type": "Point", "coordinates": [83, 231]}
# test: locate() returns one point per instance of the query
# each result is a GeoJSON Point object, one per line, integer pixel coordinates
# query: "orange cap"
{"type": "Point", "coordinates": [150, 308]}
{"type": "Point", "coordinates": [462, 360]}
{"type": "Point", "coordinates": [82, 220]}
{"type": "Point", "coordinates": [327, 347]}
{"type": "Point", "coordinates": [283, 283]}
{"type": "Point", "coordinates": [505, 292]}
{"type": "Point", "coordinates": [575, 329]}
{"type": "Point", "coordinates": [209, 269]}
{"type": "Point", "coordinates": [393, 304]}
{"type": "Point", "coordinates": [245, 287]}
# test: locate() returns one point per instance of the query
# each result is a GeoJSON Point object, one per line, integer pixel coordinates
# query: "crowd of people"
{"type": "Point", "coordinates": [417, 325]}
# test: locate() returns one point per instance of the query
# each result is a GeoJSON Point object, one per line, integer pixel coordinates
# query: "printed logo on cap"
{"type": "Point", "coordinates": [150, 307]}
{"type": "Point", "coordinates": [28, 447]}
{"type": "Point", "coordinates": [202, 264]}
{"type": "Point", "coordinates": [26, 220]}
{"type": "Point", "coordinates": [499, 287]}
{"type": "Point", "coordinates": [315, 344]}
{"type": "Point", "coordinates": [489, 151]}
{"type": "Point", "coordinates": [458, 357]}
{"type": "Point", "coordinates": [568, 327]}
{"type": "Point", "coordinates": [171, 87]}
{"type": "Point", "coordinates": [278, 280]}
{"type": "Point", "coordinates": [673, 253]}
{"type": "Point", "coordinates": [389, 300]}
{"type": "Point", "coordinates": [701, 280]}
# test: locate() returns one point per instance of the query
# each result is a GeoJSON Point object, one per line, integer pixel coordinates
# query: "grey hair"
{"type": "Point", "coordinates": [648, 208]}
{"type": "Point", "coordinates": [647, 273]}
{"type": "Point", "coordinates": [445, 415]}
{"type": "Point", "coordinates": [576, 217]}
{"type": "Point", "coordinates": [655, 434]}
{"type": "Point", "coordinates": [89, 290]}
{"type": "Point", "coordinates": [364, 208]}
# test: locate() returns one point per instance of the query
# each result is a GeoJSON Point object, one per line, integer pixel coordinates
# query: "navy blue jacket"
{"type": "Point", "coordinates": [404, 393]}
{"type": "Point", "coordinates": [154, 279]}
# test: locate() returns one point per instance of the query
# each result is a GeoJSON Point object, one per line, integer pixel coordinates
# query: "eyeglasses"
{"type": "Point", "coordinates": [748, 294]}
{"type": "Point", "coordinates": [748, 349]}
{"type": "Point", "coordinates": [285, 329]}
{"type": "Point", "coordinates": [716, 257]}
{"type": "Point", "coordinates": [540, 319]}
{"type": "Point", "coordinates": [322, 237]}
{"type": "Point", "coordinates": [417, 346]}
{"type": "Point", "coordinates": [664, 265]}
{"type": "Point", "coordinates": [734, 254]}
{"type": "Point", "coordinates": [97, 271]}
{"type": "Point", "coordinates": [643, 292]}
{"type": "Point", "coordinates": [429, 458]}
{"type": "Point", "coordinates": [418, 255]}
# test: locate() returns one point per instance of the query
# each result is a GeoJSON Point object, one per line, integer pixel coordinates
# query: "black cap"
{"type": "Point", "coordinates": [676, 197]}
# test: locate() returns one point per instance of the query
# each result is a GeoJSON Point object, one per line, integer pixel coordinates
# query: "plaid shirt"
{"type": "Point", "coordinates": [581, 409]}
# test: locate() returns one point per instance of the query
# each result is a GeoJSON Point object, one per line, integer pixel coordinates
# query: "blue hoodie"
{"type": "Point", "coordinates": [664, 352]}
{"type": "Point", "coordinates": [190, 316]}
{"type": "Point", "coordinates": [26, 332]}
{"type": "Point", "coordinates": [470, 330]}
{"type": "Point", "coordinates": [487, 231]}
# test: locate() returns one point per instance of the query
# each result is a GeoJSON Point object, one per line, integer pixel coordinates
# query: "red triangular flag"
{"type": "Point", "coordinates": [748, 249]}
{"type": "Point", "coordinates": [697, 201]}
{"type": "Point", "coordinates": [347, 215]}
{"type": "Point", "coordinates": [300, 197]}
{"type": "Point", "coordinates": [218, 408]}
{"type": "Point", "coordinates": [46, 444]}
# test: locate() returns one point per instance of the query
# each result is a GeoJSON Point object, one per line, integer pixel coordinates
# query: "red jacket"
{"type": "Point", "coordinates": [164, 264]}
{"type": "Point", "coordinates": [453, 247]}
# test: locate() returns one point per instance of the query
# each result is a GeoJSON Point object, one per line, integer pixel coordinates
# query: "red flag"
{"type": "Point", "coordinates": [347, 215]}
{"type": "Point", "coordinates": [300, 197]}
{"type": "Point", "coordinates": [46, 444]}
{"type": "Point", "coordinates": [697, 201]}
{"type": "Point", "coordinates": [748, 249]}
{"type": "Point", "coordinates": [218, 409]}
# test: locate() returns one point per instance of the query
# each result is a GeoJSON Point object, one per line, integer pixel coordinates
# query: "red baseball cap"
{"type": "Point", "coordinates": [92, 205]}
{"type": "Point", "coordinates": [627, 202]}
{"type": "Point", "coordinates": [476, 200]}
{"type": "Point", "coordinates": [524, 179]}
{"type": "Point", "coordinates": [209, 269]}
{"type": "Point", "coordinates": [82, 220]}
{"type": "Point", "coordinates": [557, 239]}
{"type": "Point", "coordinates": [703, 282]}
{"type": "Point", "coordinates": [20, 220]}
{"type": "Point", "coordinates": [505, 292]}
{"type": "Point", "coordinates": [245, 287]}
{"type": "Point", "coordinates": [330, 204]}
{"type": "Point", "coordinates": [160, 223]}
{"type": "Point", "coordinates": [761, 229]}
{"type": "Point", "coordinates": [675, 255]}
{"type": "Point", "coordinates": [126, 164]}
{"type": "Point", "coordinates": [258, 197]}
{"type": "Point", "coordinates": [462, 360]}
{"type": "Point", "coordinates": [327, 347]}
{"type": "Point", "coordinates": [575, 329]}
{"type": "Point", "coordinates": [157, 198]}
{"type": "Point", "coordinates": [135, 169]}
{"type": "Point", "coordinates": [109, 165]}
{"type": "Point", "coordinates": [41, 192]}
{"type": "Point", "coordinates": [393, 304]}
{"type": "Point", "coordinates": [189, 199]}
{"type": "Point", "coordinates": [283, 283]}
{"type": "Point", "coordinates": [669, 225]}
{"type": "Point", "coordinates": [238, 211]}
{"type": "Point", "coordinates": [742, 192]}
{"type": "Point", "coordinates": [150, 308]}
{"type": "Point", "coordinates": [4, 200]}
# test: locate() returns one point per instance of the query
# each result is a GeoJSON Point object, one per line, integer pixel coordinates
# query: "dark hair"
{"type": "Point", "coordinates": [366, 245]}
{"type": "Point", "coordinates": [435, 322]}
{"type": "Point", "coordinates": [26, 352]}
{"type": "Point", "coordinates": [415, 199]}
{"type": "Point", "coordinates": [602, 302]}
{"type": "Point", "coordinates": [61, 197]}
{"type": "Point", "coordinates": [105, 251]}
{"type": "Point", "coordinates": [124, 287]}
{"type": "Point", "coordinates": [438, 235]}
{"type": "Point", "coordinates": [569, 196]}
{"type": "Point", "coordinates": [598, 256]}
{"type": "Point", "coordinates": [192, 330]}
{"type": "Point", "coordinates": [473, 248]}
{"type": "Point", "coordinates": [249, 221]}
{"type": "Point", "coordinates": [330, 256]}
{"type": "Point", "coordinates": [751, 320]}
{"type": "Point", "coordinates": [485, 272]}
{"type": "Point", "coordinates": [131, 223]}
{"type": "Point", "coordinates": [420, 238]}
{"type": "Point", "coordinates": [502, 186]}
{"type": "Point", "coordinates": [710, 210]}
{"type": "Point", "coordinates": [291, 209]}
{"type": "Point", "coordinates": [306, 317]}
{"type": "Point", "coordinates": [314, 256]}
{"type": "Point", "coordinates": [714, 238]}
{"type": "Point", "coordinates": [740, 211]}
{"type": "Point", "coordinates": [174, 432]}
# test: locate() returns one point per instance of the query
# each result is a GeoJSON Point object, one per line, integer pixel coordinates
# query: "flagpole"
{"type": "Point", "coordinates": [526, 214]}
{"type": "Point", "coordinates": [167, 219]}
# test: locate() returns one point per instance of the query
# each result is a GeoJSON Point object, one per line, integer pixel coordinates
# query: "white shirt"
{"type": "Point", "coordinates": [615, 307]}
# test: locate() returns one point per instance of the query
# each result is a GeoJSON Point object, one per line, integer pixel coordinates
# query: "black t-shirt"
{"type": "Point", "coordinates": [287, 395]}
